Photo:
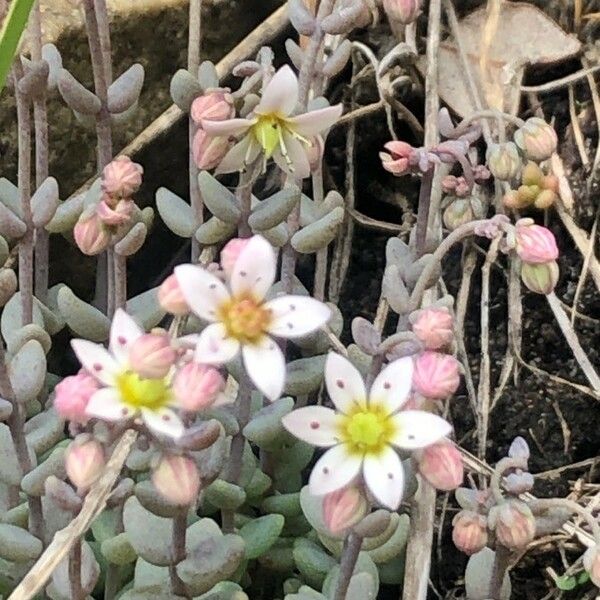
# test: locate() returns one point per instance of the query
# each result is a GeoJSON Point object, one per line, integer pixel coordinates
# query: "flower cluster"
{"type": "Point", "coordinates": [536, 189]}
{"type": "Point", "coordinates": [98, 223]}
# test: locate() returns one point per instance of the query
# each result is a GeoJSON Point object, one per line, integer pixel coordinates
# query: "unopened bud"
{"type": "Point", "coordinates": [541, 278]}
{"type": "Point", "coordinates": [230, 253]}
{"type": "Point", "coordinates": [461, 211]}
{"type": "Point", "coordinates": [84, 462]}
{"type": "Point", "coordinates": [197, 386]}
{"type": "Point", "coordinates": [170, 297]}
{"type": "Point", "coordinates": [436, 375]}
{"type": "Point", "coordinates": [91, 235]}
{"type": "Point", "coordinates": [441, 464]}
{"type": "Point", "coordinates": [121, 178]}
{"type": "Point", "coordinates": [433, 326]}
{"type": "Point", "coordinates": [535, 244]}
{"type": "Point", "coordinates": [402, 11]}
{"type": "Point", "coordinates": [469, 532]}
{"type": "Point", "coordinates": [213, 106]}
{"type": "Point", "coordinates": [152, 355]}
{"type": "Point", "coordinates": [176, 478]}
{"type": "Point", "coordinates": [513, 523]}
{"type": "Point", "coordinates": [503, 161]}
{"type": "Point", "coordinates": [532, 174]}
{"type": "Point", "coordinates": [591, 563]}
{"type": "Point", "coordinates": [72, 395]}
{"type": "Point", "coordinates": [344, 508]}
{"type": "Point", "coordinates": [537, 139]}
{"type": "Point", "coordinates": [117, 215]}
{"type": "Point", "coordinates": [208, 151]}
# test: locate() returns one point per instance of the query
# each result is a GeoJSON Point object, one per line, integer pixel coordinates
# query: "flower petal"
{"type": "Point", "coordinates": [418, 429]}
{"type": "Point", "coordinates": [344, 383]}
{"type": "Point", "coordinates": [254, 270]}
{"type": "Point", "coordinates": [106, 404]}
{"type": "Point", "coordinates": [334, 470]}
{"type": "Point", "coordinates": [314, 122]}
{"type": "Point", "coordinates": [96, 360]}
{"type": "Point", "coordinates": [244, 153]}
{"type": "Point", "coordinates": [203, 292]}
{"type": "Point", "coordinates": [163, 421]}
{"type": "Point", "coordinates": [315, 425]}
{"type": "Point", "coordinates": [295, 159]}
{"type": "Point", "coordinates": [265, 365]}
{"type": "Point", "coordinates": [214, 346]}
{"type": "Point", "coordinates": [392, 386]}
{"type": "Point", "coordinates": [123, 332]}
{"type": "Point", "coordinates": [281, 94]}
{"type": "Point", "coordinates": [229, 127]}
{"type": "Point", "coordinates": [295, 316]}
{"type": "Point", "coordinates": [384, 477]}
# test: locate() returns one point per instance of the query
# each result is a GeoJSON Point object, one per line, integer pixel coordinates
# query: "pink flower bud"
{"type": "Point", "coordinates": [197, 386]}
{"type": "Point", "coordinates": [230, 254]}
{"type": "Point", "coordinates": [513, 523]}
{"type": "Point", "coordinates": [213, 106]}
{"type": "Point", "coordinates": [344, 508]}
{"type": "Point", "coordinates": [541, 278]}
{"type": "Point", "coordinates": [170, 297]}
{"type": "Point", "coordinates": [152, 356]}
{"type": "Point", "coordinates": [535, 244]}
{"type": "Point", "coordinates": [436, 375]}
{"type": "Point", "coordinates": [591, 563]}
{"type": "Point", "coordinates": [122, 177]}
{"type": "Point", "coordinates": [84, 462]}
{"type": "Point", "coordinates": [441, 464]}
{"type": "Point", "coordinates": [469, 532]}
{"type": "Point", "coordinates": [397, 159]}
{"type": "Point", "coordinates": [91, 236]}
{"type": "Point", "coordinates": [537, 139]}
{"type": "Point", "coordinates": [72, 395]}
{"type": "Point", "coordinates": [176, 479]}
{"type": "Point", "coordinates": [209, 151]}
{"type": "Point", "coordinates": [433, 326]}
{"type": "Point", "coordinates": [402, 11]}
{"type": "Point", "coordinates": [117, 215]}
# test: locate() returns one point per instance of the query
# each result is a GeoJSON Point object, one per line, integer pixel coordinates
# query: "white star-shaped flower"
{"type": "Point", "coordinates": [364, 430]}
{"type": "Point", "coordinates": [241, 319]}
{"type": "Point", "coordinates": [125, 394]}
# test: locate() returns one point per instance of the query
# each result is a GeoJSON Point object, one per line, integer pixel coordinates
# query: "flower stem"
{"type": "Point", "coordinates": [178, 554]}
{"type": "Point", "coordinates": [352, 546]}
{"type": "Point", "coordinates": [120, 285]}
{"type": "Point", "coordinates": [75, 571]}
{"type": "Point", "coordinates": [423, 211]}
{"type": "Point", "coordinates": [501, 564]}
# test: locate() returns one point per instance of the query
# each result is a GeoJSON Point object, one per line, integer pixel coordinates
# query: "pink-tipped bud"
{"type": "Point", "coordinates": [208, 151]}
{"type": "Point", "coordinates": [402, 11]}
{"type": "Point", "coordinates": [197, 386]}
{"type": "Point", "coordinates": [504, 161]}
{"type": "Point", "coordinates": [469, 532]}
{"type": "Point", "coordinates": [397, 159]}
{"type": "Point", "coordinates": [433, 326]}
{"type": "Point", "coordinates": [91, 235]}
{"type": "Point", "coordinates": [513, 523]}
{"type": "Point", "coordinates": [72, 395]}
{"type": "Point", "coordinates": [591, 563]}
{"type": "Point", "coordinates": [441, 464]}
{"type": "Point", "coordinates": [122, 177]}
{"type": "Point", "coordinates": [170, 297]}
{"type": "Point", "coordinates": [117, 215]}
{"type": "Point", "coordinates": [542, 278]}
{"type": "Point", "coordinates": [535, 244]}
{"type": "Point", "coordinates": [344, 508]}
{"type": "Point", "coordinates": [152, 355]}
{"type": "Point", "coordinates": [537, 139]}
{"type": "Point", "coordinates": [231, 253]}
{"type": "Point", "coordinates": [213, 106]}
{"type": "Point", "coordinates": [436, 375]}
{"type": "Point", "coordinates": [84, 462]}
{"type": "Point", "coordinates": [176, 479]}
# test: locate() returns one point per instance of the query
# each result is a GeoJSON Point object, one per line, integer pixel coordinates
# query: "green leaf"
{"type": "Point", "coordinates": [261, 534]}
{"type": "Point", "coordinates": [14, 25]}
{"type": "Point", "coordinates": [566, 583]}
{"type": "Point", "coordinates": [583, 577]}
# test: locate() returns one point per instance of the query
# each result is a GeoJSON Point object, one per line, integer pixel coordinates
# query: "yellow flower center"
{"type": "Point", "coordinates": [367, 430]}
{"type": "Point", "coordinates": [268, 132]}
{"type": "Point", "coordinates": [245, 319]}
{"type": "Point", "coordinates": [137, 392]}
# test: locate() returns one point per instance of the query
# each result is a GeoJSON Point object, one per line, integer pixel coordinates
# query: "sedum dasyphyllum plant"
{"type": "Point", "coordinates": [222, 436]}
